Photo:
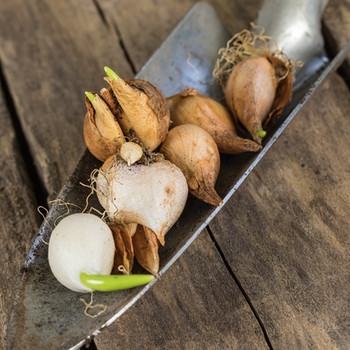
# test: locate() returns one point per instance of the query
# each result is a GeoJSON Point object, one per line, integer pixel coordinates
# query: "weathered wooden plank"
{"type": "Point", "coordinates": [18, 217]}
{"type": "Point", "coordinates": [337, 28]}
{"type": "Point", "coordinates": [285, 233]}
{"type": "Point", "coordinates": [144, 27]}
{"type": "Point", "coordinates": [51, 52]}
{"type": "Point", "coordinates": [195, 304]}
{"type": "Point", "coordinates": [337, 19]}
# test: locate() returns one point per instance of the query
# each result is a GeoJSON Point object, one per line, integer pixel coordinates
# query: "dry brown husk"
{"type": "Point", "coordinates": [102, 133]}
{"type": "Point", "coordinates": [248, 101]}
{"type": "Point", "coordinates": [285, 76]}
{"type": "Point", "coordinates": [195, 152]}
{"type": "Point", "coordinates": [141, 110]}
{"type": "Point", "coordinates": [146, 247]}
{"type": "Point", "coordinates": [124, 254]}
{"type": "Point", "coordinates": [191, 107]}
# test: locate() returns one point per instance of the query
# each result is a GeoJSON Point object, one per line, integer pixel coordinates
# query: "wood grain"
{"type": "Point", "coordinates": [18, 216]}
{"type": "Point", "coordinates": [336, 18]}
{"type": "Point", "coordinates": [283, 236]}
{"type": "Point", "coordinates": [285, 233]}
{"type": "Point", "coordinates": [51, 53]}
{"type": "Point", "coordinates": [205, 308]}
{"type": "Point", "coordinates": [143, 28]}
{"type": "Point", "coordinates": [336, 31]}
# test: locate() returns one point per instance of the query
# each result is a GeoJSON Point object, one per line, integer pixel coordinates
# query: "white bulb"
{"type": "Point", "coordinates": [80, 243]}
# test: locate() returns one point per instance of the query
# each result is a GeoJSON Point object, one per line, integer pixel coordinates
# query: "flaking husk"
{"type": "Point", "coordinates": [124, 254]}
{"type": "Point", "coordinates": [102, 133]}
{"type": "Point", "coordinates": [146, 247]}
{"type": "Point", "coordinates": [140, 108]}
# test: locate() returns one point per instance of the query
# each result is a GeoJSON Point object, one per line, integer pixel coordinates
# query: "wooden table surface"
{"type": "Point", "coordinates": [272, 271]}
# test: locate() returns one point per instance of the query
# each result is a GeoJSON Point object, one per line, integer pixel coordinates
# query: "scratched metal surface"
{"type": "Point", "coordinates": [46, 314]}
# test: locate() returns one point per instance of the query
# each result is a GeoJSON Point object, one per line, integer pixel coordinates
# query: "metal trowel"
{"type": "Point", "coordinates": [46, 315]}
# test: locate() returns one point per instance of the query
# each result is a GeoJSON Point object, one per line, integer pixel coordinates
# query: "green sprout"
{"type": "Point", "coordinates": [110, 73]}
{"type": "Point", "coordinates": [261, 133]}
{"type": "Point", "coordinates": [109, 283]}
{"type": "Point", "coordinates": [91, 96]}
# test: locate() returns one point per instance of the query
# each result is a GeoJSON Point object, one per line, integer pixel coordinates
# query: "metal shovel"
{"type": "Point", "coordinates": [46, 315]}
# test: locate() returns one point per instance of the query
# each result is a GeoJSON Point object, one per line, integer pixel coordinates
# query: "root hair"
{"type": "Point", "coordinates": [247, 43]}
{"type": "Point", "coordinates": [90, 307]}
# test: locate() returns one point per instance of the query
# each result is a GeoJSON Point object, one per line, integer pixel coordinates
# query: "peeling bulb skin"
{"type": "Point", "coordinates": [143, 110]}
{"type": "Point", "coordinates": [102, 133]}
{"type": "Point", "coordinates": [124, 250]}
{"type": "Point", "coordinates": [146, 245]}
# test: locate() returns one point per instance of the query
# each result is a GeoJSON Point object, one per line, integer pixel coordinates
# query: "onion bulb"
{"type": "Point", "coordinates": [195, 152]}
{"type": "Point", "coordinates": [191, 107]}
{"type": "Point", "coordinates": [153, 195]}
{"type": "Point", "coordinates": [80, 243]}
{"type": "Point", "coordinates": [143, 110]}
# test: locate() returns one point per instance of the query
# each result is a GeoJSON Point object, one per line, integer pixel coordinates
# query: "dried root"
{"type": "Point", "coordinates": [242, 45]}
{"type": "Point", "coordinates": [93, 310]}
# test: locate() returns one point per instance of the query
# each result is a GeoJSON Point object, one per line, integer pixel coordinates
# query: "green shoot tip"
{"type": "Point", "coordinates": [261, 133]}
{"type": "Point", "coordinates": [110, 73]}
{"type": "Point", "coordinates": [90, 96]}
{"type": "Point", "coordinates": [109, 283]}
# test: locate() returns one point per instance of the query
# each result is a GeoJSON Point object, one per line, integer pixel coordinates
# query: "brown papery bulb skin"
{"type": "Point", "coordinates": [146, 245]}
{"type": "Point", "coordinates": [124, 250]}
{"type": "Point", "coordinates": [192, 107]}
{"type": "Point", "coordinates": [284, 70]}
{"type": "Point", "coordinates": [195, 152]}
{"type": "Point", "coordinates": [250, 92]}
{"type": "Point", "coordinates": [102, 133]}
{"type": "Point", "coordinates": [143, 111]}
